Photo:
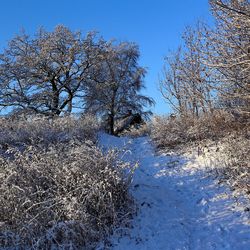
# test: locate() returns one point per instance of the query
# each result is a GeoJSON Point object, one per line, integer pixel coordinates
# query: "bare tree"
{"type": "Point", "coordinates": [171, 85]}
{"type": "Point", "coordinates": [229, 52]}
{"type": "Point", "coordinates": [214, 63]}
{"type": "Point", "coordinates": [233, 6]}
{"type": "Point", "coordinates": [44, 73]}
{"type": "Point", "coordinates": [195, 73]}
{"type": "Point", "coordinates": [186, 82]}
{"type": "Point", "coordinates": [113, 90]}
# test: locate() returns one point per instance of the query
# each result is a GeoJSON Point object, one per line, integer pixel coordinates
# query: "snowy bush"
{"type": "Point", "coordinates": [42, 130]}
{"type": "Point", "coordinates": [235, 159]}
{"type": "Point", "coordinates": [67, 196]}
{"type": "Point", "coordinates": [170, 132]}
{"type": "Point", "coordinates": [137, 131]}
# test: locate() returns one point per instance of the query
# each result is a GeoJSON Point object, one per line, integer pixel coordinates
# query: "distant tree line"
{"type": "Point", "coordinates": [212, 69]}
{"type": "Point", "coordinates": [53, 73]}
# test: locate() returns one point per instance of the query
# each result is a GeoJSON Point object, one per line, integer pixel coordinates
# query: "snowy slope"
{"type": "Point", "coordinates": [179, 205]}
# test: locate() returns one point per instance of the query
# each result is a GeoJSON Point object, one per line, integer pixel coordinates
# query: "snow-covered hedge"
{"type": "Point", "coordinates": [69, 195]}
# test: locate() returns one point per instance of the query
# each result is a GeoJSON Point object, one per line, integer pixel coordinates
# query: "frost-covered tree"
{"type": "Point", "coordinates": [186, 81]}
{"type": "Point", "coordinates": [196, 75]}
{"type": "Point", "coordinates": [45, 73]}
{"type": "Point", "coordinates": [214, 64]}
{"type": "Point", "coordinates": [171, 85]}
{"type": "Point", "coordinates": [113, 90]}
{"type": "Point", "coordinates": [229, 51]}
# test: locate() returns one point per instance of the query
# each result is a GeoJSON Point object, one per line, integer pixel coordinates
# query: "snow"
{"type": "Point", "coordinates": [180, 204]}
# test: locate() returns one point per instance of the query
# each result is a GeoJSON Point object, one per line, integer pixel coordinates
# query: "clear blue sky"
{"type": "Point", "coordinates": [155, 25]}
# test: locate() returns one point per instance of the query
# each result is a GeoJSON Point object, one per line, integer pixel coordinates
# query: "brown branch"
{"type": "Point", "coordinates": [224, 6]}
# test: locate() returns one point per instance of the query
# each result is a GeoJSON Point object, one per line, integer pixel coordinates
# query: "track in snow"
{"type": "Point", "coordinates": [180, 207]}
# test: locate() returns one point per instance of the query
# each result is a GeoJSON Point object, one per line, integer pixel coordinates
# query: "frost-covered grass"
{"type": "Point", "coordinates": [235, 159]}
{"type": "Point", "coordinates": [17, 131]}
{"type": "Point", "coordinates": [137, 131]}
{"type": "Point", "coordinates": [59, 190]}
{"type": "Point", "coordinates": [172, 132]}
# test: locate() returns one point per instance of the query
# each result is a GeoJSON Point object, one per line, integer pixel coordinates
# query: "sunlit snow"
{"type": "Point", "coordinates": [180, 205]}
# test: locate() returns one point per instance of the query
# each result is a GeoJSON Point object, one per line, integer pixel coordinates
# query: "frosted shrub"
{"type": "Point", "coordinates": [44, 131]}
{"type": "Point", "coordinates": [167, 132]}
{"type": "Point", "coordinates": [67, 196]}
{"type": "Point", "coordinates": [142, 130]}
{"type": "Point", "coordinates": [173, 131]}
{"type": "Point", "coordinates": [236, 161]}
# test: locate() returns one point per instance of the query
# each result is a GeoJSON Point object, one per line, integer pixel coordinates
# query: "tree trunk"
{"type": "Point", "coordinates": [111, 122]}
{"type": "Point", "coordinates": [55, 99]}
{"type": "Point", "coordinates": [69, 110]}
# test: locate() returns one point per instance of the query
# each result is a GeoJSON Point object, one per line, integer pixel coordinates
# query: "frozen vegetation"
{"type": "Point", "coordinates": [85, 165]}
{"type": "Point", "coordinates": [58, 190]}
{"type": "Point", "coordinates": [66, 185]}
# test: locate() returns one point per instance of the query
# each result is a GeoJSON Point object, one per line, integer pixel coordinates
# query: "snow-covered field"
{"type": "Point", "coordinates": [180, 205]}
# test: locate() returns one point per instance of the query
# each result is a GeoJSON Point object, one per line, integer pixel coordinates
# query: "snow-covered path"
{"type": "Point", "coordinates": [179, 205]}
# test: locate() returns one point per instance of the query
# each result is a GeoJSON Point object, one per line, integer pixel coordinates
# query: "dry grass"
{"type": "Point", "coordinates": [17, 131]}
{"type": "Point", "coordinates": [235, 159]}
{"type": "Point", "coordinates": [137, 131]}
{"type": "Point", "coordinates": [69, 195]}
{"type": "Point", "coordinates": [59, 190]}
{"type": "Point", "coordinates": [170, 132]}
